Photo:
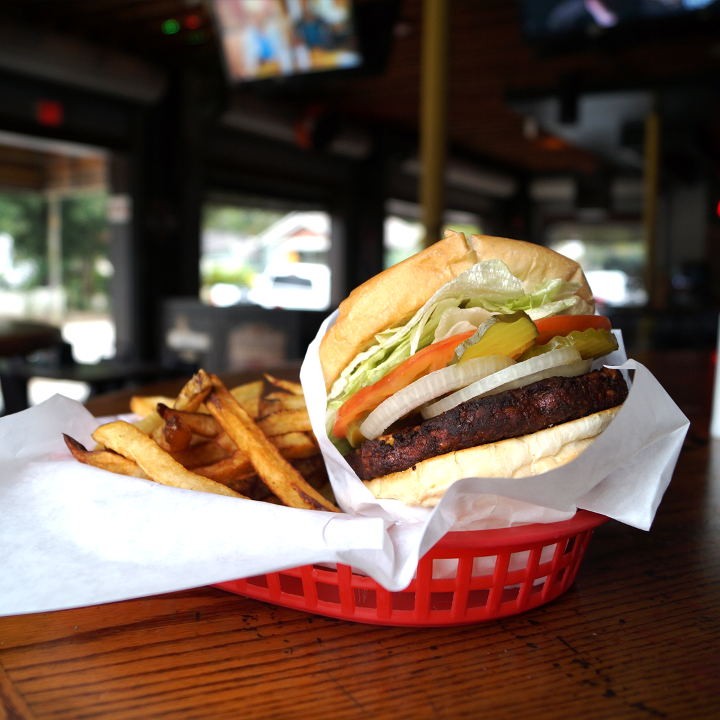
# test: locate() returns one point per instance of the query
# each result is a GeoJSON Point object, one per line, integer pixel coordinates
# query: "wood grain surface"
{"type": "Point", "coordinates": [637, 636]}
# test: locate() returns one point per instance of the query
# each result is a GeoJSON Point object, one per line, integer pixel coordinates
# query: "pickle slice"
{"type": "Point", "coordinates": [507, 335]}
{"type": "Point", "coordinates": [591, 344]}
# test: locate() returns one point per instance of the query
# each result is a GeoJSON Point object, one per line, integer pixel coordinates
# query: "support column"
{"type": "Point", "coordinates": [56, 308]}
{"type": "Point", "coordinates": [433, 115]}
{"type": "Point", "coordinates": [54, 240]}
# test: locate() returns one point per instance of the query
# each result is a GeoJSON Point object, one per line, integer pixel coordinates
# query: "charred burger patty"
{"type": "Point", "coordinates": [509, 414]}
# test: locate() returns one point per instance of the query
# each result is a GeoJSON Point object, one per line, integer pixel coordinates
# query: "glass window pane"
{"type": "Point", "coordinates": [612, 255]}
{"type": "Point", "coordinates": [404, 233]}
{"type": "Point", "coordinates": [272, 258]}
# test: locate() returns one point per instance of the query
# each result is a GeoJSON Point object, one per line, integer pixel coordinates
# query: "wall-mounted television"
{"type": "Point", "coordinates": [275, 39]}
{"type": "Point", "coordinates": [559, 25]}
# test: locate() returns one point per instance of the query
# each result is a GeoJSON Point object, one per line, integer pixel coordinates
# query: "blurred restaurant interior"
{"type": "Point", "coordinates": [190, 183]}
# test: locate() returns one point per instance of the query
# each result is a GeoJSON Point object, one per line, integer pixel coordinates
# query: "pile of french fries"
{"type": "Point", "coordinates": [228, 442]}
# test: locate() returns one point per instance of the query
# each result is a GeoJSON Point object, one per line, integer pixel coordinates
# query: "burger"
{"type": "Point", "coordinates": [472, 358]}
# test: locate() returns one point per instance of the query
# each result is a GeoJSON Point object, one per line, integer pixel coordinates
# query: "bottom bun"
{"type": "Point", "coordinates": [426, 482]}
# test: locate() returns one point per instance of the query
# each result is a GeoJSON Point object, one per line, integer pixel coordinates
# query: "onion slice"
{"type": "Point", "coordinates": [428, 388]}
{"type": "Point", "coordinates": [547, 365]}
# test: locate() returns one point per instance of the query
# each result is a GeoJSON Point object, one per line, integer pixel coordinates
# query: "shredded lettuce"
{"type": "Point", "coordinates": [488, 285]}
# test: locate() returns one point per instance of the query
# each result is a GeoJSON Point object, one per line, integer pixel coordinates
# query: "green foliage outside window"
{"type": "Point", "coordinates": [85, 243]}
{"type": "Point", "coordinates": [23, 216]}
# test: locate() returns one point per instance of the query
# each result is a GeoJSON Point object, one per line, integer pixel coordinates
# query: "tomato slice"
{"type": "Point", "coordinates": [562, 325]}
{"type": "Point", "coordinates": [427, 360]}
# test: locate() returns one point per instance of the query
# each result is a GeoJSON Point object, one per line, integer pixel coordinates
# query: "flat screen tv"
{"type": "Point", "coordinates": [570, 24]}
{"type": "Point", "coordinates": [275, 39]}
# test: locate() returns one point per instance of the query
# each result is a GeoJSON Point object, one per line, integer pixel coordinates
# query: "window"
{"type": "Point", "coordinates": [612, 255]}
{"type": "Point", "coordinates": [272, 258]}
{"type": "Point", "coordinates": [404, 233]}
{"type": "Point", "coordinates": [54, 246]}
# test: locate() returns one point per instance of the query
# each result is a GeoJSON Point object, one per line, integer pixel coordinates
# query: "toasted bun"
{"type": "Point", "coordinates": [426, 482]}
{"type": "Point", "coordinates": [393, 296]}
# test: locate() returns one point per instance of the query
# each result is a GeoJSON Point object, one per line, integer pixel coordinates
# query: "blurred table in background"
{"type": "Point", "coordinates": [18, 339]}
{"type": "Point", "coordinates": [52, 359]}
{"type": "Point", "coordinates": [21, 337]}
{"type": "Point", "coordinates": [636, 636]}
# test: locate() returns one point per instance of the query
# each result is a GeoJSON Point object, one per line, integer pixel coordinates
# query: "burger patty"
{"type": "Point", "coordinates": [508, 414]}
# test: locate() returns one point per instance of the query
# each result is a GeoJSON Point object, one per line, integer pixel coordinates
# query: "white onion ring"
{"type": "Point", "coordinates": [428, 388]}
{"type": "Point", "coordinates": [547, 365]}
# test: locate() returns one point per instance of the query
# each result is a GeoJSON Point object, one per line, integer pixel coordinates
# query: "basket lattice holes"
{"type": "Point", "coordinates": [453, 584]}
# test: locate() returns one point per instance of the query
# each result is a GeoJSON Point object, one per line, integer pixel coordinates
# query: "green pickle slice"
{"type": "Point", "coordinates": [508, 335]}
{"type": "Point", "coordinates": [591, 344]}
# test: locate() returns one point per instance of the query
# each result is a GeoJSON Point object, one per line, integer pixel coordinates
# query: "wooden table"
{"type": "Point", "coordinates": [637, 636]}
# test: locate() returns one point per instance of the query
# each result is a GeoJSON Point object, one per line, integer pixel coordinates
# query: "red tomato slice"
{"type": "Point", "coordinates": [427, 360]}
{"type": "Point", "coordinates": [562, 325]}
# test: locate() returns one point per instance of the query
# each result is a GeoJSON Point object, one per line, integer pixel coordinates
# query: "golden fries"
{"type": "Point", "coordinates": [201, 454]}
{"type": "Point", "coordinates": [274, 402]}
{"type": "Point", "coordinates": [285, 482]}
{"type": "Point", "coordinates": [197, 423]}
{"type": "Point", "coordinates": [230, 468]}
{"type": "Point", "coordinates": [295, 445]}
{"type": "Point", "coordinates": [285, 421]}
{"type": "Point", "coordinates": [127, 440]}
{"type": "Point", "coordinates": [104, 459]}
{"type": "Point", "coordinates": [231, 442]}
{"type": "Point", "coordinates": [174, 435]}
{"type": "Point", "coordinates": [249, 397]}
{"type": "Point", "coordinates": [143, 406]}
{"type": "Point", "coordinates": [292, 387]}
{"type": "Point", "coordinates": [292, 446]}
{"type": "Point", "coordinates": [191, 397]}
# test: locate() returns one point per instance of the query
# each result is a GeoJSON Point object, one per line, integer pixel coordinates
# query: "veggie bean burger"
{"type": "Point", "coordinates": [470, 359]}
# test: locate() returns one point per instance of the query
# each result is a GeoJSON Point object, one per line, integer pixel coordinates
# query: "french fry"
{"type": "Point", "coordinates": [201, 454]}
{"type": "Point", "coordinates": [149, 423]}
{"type": "Point", "coordinates": [190, 399]}
{"type": "Point", "coordinates": [197, 422]}
{"type": "Point", "coordinates": [295, 445]}
{"type": "Point", "coordinates": [274, 402]}
{"type": "Point", "coordinates": [225, 441]}
{"type": "Point", "coordinates": [249, 396]}
{"type": "Point", "coordinates": [291, 446]}
{"type": "Point", "coordinates": [283, 480]}
{"type": "Point", "coordinates": [207, 439]}
{"type": "Point", "coordinates": [287, 400]}
{"type": "Point", "coordinates": [104, 459]}
{"type": "Point", "coordinates": [143, 406]}
{"type": "Point", "coordinates": [285, 421]}
{"type": "Point", "coordinates": [292, 387]}
{"type": "Point", "coordinates": [159, 466]}
{"type": "Point", "coordinates": [192, 396]}
{"type": "Point", "coordinates": [174, 435]}
{"type": "Point", "coordinates": [234, 467]}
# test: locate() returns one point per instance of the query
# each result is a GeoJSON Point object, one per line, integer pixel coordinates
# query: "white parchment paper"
{"type": "Point", "coordinates": [73, 535]}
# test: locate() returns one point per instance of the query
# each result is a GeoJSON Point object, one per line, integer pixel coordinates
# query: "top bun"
{"type": "Point", "coordinates": [396, 294]}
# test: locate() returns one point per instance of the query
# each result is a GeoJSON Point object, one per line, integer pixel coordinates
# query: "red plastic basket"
{"type": "Point", "coordinates": [495, 573]}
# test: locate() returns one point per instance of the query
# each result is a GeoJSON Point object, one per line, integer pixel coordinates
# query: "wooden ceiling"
{"type": "Point", "coordinates": [488, 61]}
